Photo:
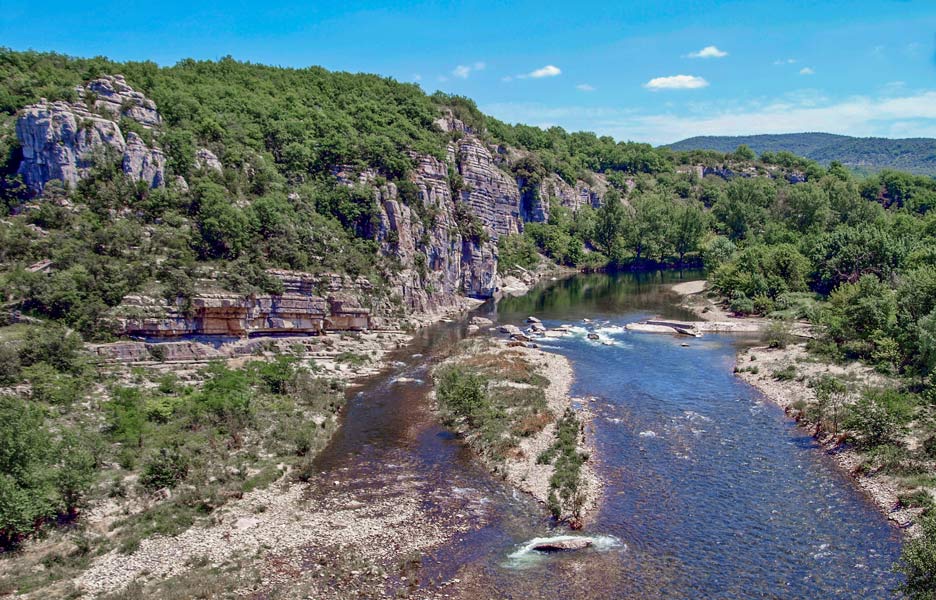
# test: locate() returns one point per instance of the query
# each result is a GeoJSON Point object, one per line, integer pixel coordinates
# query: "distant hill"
{"type": "Point", "coordinates": [916, 155]}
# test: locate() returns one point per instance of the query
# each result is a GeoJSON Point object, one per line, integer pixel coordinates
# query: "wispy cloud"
{"type": "Point", "coordinates": [676, 82]}
{"type": "Point", "coordinates": [463, 71]}
{"type": "Point", "coordinates": [708, 52]}
{"type": "Point", "coordinates": [584, 87]}
{"type": "Point", "coordinates": [806, 71]}
{"type": "Point", "coordinates": [784, 61]}
{"type": "Point", "coordinates": [547, 71]}
{"type": "Point", "coordinates": [417, 77]}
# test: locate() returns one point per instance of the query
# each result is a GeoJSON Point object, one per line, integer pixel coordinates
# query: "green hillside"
{"type": "Point", "coordinates": [914, 155]}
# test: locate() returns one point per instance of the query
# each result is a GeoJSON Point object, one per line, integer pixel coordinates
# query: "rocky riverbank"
{"type": "Point", "coordinates": [760, 367]}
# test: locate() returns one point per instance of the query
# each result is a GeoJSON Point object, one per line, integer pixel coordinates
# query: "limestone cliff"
{"type": "Point", "coordinates": [444, 235]}
{"type": "Point", "coordinates": [61, 140]}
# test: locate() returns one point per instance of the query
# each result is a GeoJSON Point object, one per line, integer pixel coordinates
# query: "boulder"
{"type": "Point", "coordinates": [533, 320]}
{"type": "Point", "coordinates": [510, 330]}
{"type": "Point", "coordinates": [206, 159]}
{"type": "Point", "coordinates": [564, 544]}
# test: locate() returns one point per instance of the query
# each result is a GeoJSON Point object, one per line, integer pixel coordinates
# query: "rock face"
{"type": "Point", "coordinates": [440, 262]}
{"type": "Point", "coordinates": [299, 310]}
{"type": "Point", "coordinates": [61, 140]}
{"type": "Point", "coordinates": [114, 98]}
{"type": "Point", "coordinates": [444, 234]}
{"type": "Point", "coordinates": [206, 159]}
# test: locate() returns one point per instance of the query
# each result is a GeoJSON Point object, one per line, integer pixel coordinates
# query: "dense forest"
{"type": "Point", "coordinates": [779, 235]}
{"type": "Point", "coordinates": [866, 155]}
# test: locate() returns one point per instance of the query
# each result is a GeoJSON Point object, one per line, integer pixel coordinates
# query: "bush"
{"type": "Point", "coordinates": [34, 484]}
{"type": "Point", "coordinates": [742, 305]}
{"type": "Point", "coordinates": [787, 373]}
{"type": "Point", "coordinates": [10, 372]}
{"type": "Point", "coordinates": [918, 562]}
{"type": "Point", "coordinates": [165, 469]}
{"type": "Point", "coordinates": [50, 386]}
{"type": "Point", "coordinates": [461, 394]}
{"type": "Point", "coordinates": [778, 335]}
{"type": "Point", "coordinates": [226, 396]}
{"type": "Point", "coordinates": [878, 417]}
{"type": "Point", "coordinates": [55, 345]}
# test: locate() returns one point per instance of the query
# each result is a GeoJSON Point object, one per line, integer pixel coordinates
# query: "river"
{"type": "Point", "coordinates": [710, 491]}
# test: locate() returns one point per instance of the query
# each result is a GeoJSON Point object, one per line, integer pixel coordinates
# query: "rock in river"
{"type": "Point", "coordinates": [510, 330]}
{"type": "Point", "coordinates": [564, 544]}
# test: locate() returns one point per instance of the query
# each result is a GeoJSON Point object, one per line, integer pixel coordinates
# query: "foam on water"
{"type": "Point", "coordinates": [526, 555]}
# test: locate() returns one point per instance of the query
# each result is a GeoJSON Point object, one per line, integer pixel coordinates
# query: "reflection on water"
{"type": "Point", "coordinates": [709, 491]}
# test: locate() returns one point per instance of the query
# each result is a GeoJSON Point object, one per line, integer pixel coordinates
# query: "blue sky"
{"type": "Point", "coordinates": [641, 70]}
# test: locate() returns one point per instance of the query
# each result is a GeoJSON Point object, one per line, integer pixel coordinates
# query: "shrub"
{"type": "Point", "coordinates": [877, 418]}
{"type": "Point", "coordinates": [787, 373]}
{"type": "Point", "coordinates": [918, 562]}
{"type": "Point", "coordinates": [165, 469]}
{"type": "Point", "coordinates": [742, 305]}
{"type": "Point", "coordinates": [10, 371]}
{"type": "Point", "coordinates": [50, 386]}
{"type": "Point", "coordinates": [55, 345]}
{"type": "Point", "coordinates": [778, 334]}
{"type": "Point", "coordinates": [226, 396]}
{"type": "Point", "coordinates": [461, 394]}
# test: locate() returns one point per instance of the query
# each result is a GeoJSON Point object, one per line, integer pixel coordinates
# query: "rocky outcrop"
{"type": "Point", "coordinates": [206, 159]}
{"type": "Point", "coordinates": [300, 310]}
{"type": "Point", "coordinates": [143, 163]}
{"type": "Point", "coordinates": [575, 196]}
{"type": "Point", "coordinates": [113, 98]}
{"type": "Point", "coordinates": [492, 194]}
{"type": "Point", "coordinates": [62, 140]}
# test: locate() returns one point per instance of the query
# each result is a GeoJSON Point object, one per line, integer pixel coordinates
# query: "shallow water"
{"type": "Point", "coordinates": [710, 492]}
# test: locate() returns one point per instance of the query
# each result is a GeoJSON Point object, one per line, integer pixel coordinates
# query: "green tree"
{"type": "Point", "coordinates": [742, 211]}
{"type": "Point", "coordinates": [688, 228]}
{"type": "Point", "coordinates": [918, 562]}
{"type": "Point", "coordinates": [610, 226]}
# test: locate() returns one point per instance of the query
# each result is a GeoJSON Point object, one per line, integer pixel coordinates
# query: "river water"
{"type": "Point", "coordinates": [710, 492]}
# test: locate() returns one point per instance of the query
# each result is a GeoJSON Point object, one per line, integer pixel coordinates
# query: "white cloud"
{"type": "Point", "coordinates": [784, 61]}
{"type": "Point", "coordinates": [905, 116]}
{"type": "Point", "coordinates": [708, 52]}
{"type": "Point", "coordinates": [806, 71]}
{"type": "Point", "coordinates": [417, 77]}
{"type": "Point", "coordinates": [584, 87]}
{"type": "Point", "coordinates": [547, 71]}
{"type": "Point", "coordinates": [676, 82]}
{"type": "Point", "coordinates": [463, 71]}
{"type": "Point", "coordinates": [507, 78]}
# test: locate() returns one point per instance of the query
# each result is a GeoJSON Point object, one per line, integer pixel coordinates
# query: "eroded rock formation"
{"type": "Point", "coordinates": [299, 310]}
{"type": "Point", "coordinates": [445, 238]}
{"type": "Point", "coordinates": [61, 140]}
